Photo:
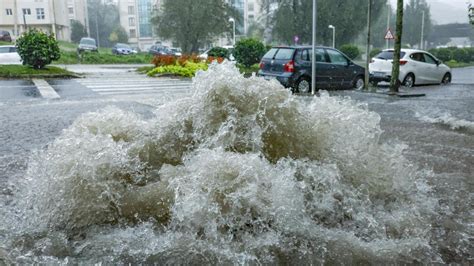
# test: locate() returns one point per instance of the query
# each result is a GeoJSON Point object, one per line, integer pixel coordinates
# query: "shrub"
{"type": "Point", "coordinates": [219, 52]}
{"type": "Point", "coordinates": [350, 50]}
{"type": "Point", "coordinates": [37, 49]}
{"type": "Point", "coordinates": [461, 55]}
{"type": "Point", "coordinates": [164, 60]}
{"type": "Point", "coordinates": [444, 54]}
{"type": "Point", "coordinates": [470, 52]}
{"type": "Point", "coordinates": [374, 52]}
{"type": "Point", "coordinates": [249, 51]}
{"type": "Point", "coordinates": [188, 70]}
{"type": "Point", "coordinates": [211, 59]}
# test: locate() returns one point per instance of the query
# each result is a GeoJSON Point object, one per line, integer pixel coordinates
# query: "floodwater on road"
{"type": "Point", "coordinates": [242, 172]}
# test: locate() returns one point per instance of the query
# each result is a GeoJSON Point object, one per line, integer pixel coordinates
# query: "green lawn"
{"type": "Point", "coordinates": [6, 43]}
{"type": "Point", "coordinates": [19, 71]}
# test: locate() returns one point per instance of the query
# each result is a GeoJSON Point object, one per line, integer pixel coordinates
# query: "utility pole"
{"type": "Point", "coordinates": [389, 12]}
{"type": "Point", "coordinates": [395, 82]}
{"type": "Point", "coordinates": [53, 18]}
{"type": "Point", "coordinates": [367, 51]}
{"type": "Point", "coordinates": [86, 18]}
{"type": "Point", "coordinates": [15, 17]}
{"type": "Point", "coordinates": [422, 44]}
{"type": "Point", "coordinates": [313, 56]}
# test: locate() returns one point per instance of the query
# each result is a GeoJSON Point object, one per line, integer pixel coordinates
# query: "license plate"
{"type": "Point", "coordinates": [379, 74]}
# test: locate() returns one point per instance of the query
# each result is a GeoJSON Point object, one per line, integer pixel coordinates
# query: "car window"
{"type": "Point", "coordinates": [388, 55]}
{"type": "Point", "coordinates": [88, 42]}
{"type": "Point", "coordinates": [429, 59]}
{"type": "Point", "coordinates": [337, 58]}
{"type": "Point", "coordinates": [270, 54]}
{"type": "Point", "coordinates": [4, 50]}
{"type": "Point", "coordinates": [320, 55]}
{"type": "Point", "coordinates": [417, 57]}
{"type": "Point", "coordinates": [284, 54]}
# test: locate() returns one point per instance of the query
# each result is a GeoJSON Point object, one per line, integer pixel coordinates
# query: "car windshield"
{"type": "Point", "coordinates": [388, 55]}
{"type": "Point", "coordinates": [122, 45]}
{"type": "Point", "coordinates": [88, 42]}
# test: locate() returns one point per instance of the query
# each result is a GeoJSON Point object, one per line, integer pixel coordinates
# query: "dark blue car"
{"type": "Point", "coordinates": [291, 66]}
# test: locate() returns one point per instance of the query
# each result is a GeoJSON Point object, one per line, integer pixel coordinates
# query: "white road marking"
{"type": "Point", "coordinates": [45, 89]}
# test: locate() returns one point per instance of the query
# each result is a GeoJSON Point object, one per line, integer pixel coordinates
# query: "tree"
{"type": "Point", "coordinates": [192, 23]}
{"type": "Point", "coordinates": [103, 19]}
{"type": "Point", "coordinates": [412, 21]}
{"type": "Point", "coordinates": [294, 17]}
{"type": "Point", "coordinates": [395, 82]}
{"type": "Point", "coordinates": [37, 49]}
{"type": "Point", "coordinates": [118, 35]}
{"type": "Point", "coordinates": [77, 31]}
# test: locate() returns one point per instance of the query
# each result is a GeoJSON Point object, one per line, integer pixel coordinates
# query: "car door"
{"type": "Point", "coordinates": [419, 68]}
{"type": "Point", "coordinates": [434, 73]}
{"type": "Point", "coordinates": [340, 73]}
{"type": "Point", "coordinates": [323, 67]}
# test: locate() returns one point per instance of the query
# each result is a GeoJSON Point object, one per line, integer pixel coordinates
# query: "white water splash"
{"type": "Point", "coordinates": [242, 172]}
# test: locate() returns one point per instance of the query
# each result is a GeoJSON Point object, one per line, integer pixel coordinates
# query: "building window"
{"type": "Point", "coordinates": [9, 12]}
{"type": "Point", "coordinates": [250, 7]}
{"type": "Point", "coordinates": [131, 10]}
{"type": "Point", "coordinates": [40, 13]}
{"type": "Point", "coordinates": [71, 10]}
{"type": "Point", "coordinates": [251, 17]}
{"type": "Point", "coordinates": [133, 33]}
{"type": "Point", "coordinates": [131, 22]}
{"type": "Point", "coordinates": [26, 11]}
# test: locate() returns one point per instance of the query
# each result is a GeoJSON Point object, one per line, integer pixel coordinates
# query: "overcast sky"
{"type": "Point", "coordinates": [446, 11]}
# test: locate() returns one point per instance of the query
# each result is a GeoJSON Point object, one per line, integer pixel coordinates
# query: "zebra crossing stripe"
{"type": "Point", "coordinates": [45, 89]}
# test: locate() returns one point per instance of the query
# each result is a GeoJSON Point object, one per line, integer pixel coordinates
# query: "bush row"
{"type": "Point", "coordinates": [464, 55]}
{"type": "Point", "coordinates": [100, 58]}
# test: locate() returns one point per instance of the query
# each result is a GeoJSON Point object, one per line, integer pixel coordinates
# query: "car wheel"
{"type": "Point", "coordinates": [446, 79]}
{"type": "Point", "coordinates": [358, 83]}
{"type": "Point", "coordinates": [303, 85]}
{"type": "Point", "coordinates": [409, 81]}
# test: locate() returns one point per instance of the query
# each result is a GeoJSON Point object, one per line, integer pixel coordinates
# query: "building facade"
{"type": "Point", "coordinates": [50, 16]}
{"type": "Point", "coordinates": [77, 10]}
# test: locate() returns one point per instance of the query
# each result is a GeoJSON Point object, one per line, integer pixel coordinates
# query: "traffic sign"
{"type": "Point", "coordinates": [389, 35]}
{"type": "Point", "coordinates": [297, 38]}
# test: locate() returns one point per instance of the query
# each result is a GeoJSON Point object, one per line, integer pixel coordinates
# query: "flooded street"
{"type": "Point", "coordinates": [242, 172]}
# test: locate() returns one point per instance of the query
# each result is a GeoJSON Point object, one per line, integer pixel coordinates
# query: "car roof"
{"type": "Point", "coordinates": [10, 46]}
{"type": "Point", "coordinates": [300, 47]}
{"type": "Point", "coordinates": [407, 50]}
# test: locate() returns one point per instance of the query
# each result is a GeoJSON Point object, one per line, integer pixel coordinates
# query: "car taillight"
{"type": "Point", "coordinates": [403, 62]}
{"type": "Point", "coordinates": [372, 60]}
{"type": "Point", "coordinates": [262, 65]}
{"type": "Point", "coordinates": [289, 67]}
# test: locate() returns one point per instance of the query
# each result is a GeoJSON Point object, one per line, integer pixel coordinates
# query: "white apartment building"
{"type": "Point", "coordinates": [50, 16]}
{"type": "Point", "coordinates": [77, 10]}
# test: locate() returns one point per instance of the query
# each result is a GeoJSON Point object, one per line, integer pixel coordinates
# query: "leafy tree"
{"type": "Point", "coordinates": [103, 18]}
{"type": "Point", "coordinates": [249, 52]}
{"type": "Point", "coordinates": [118, 35]}
{"type": "Point", "coordinates": [412, 21]}
{"type": "Point", "coordinates": [37, 49]}
{"type": "Point", "coordinates": [77, 31]}
{"type": "Point", "coordinates": [294, 17]}
{"type": "Point", "coordinates": [193, 23]}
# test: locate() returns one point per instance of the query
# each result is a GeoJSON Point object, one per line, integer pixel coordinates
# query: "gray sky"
{"type": "Point", "coordinates": [446, 11]}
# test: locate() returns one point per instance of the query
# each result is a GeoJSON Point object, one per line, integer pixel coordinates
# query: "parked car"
{"type": "Point", "coordinates": [9, 55]}
{"type": "Point", "coordinates": [123, 49]}
{"type": "Point", "coordinates": [416, 67]}
{"type": "Point", "coordinates": [5, 36]}
{"type": "Point", "coordinates": [176, 51]}
{"type": "Point", "coordinates": [159, 50]}
{"type": "Point", "coordinates": [291, 66]}
{"type": "Point", "coordinates": [87, 45]}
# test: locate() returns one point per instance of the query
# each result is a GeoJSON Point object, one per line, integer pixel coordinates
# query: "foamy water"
{"type": "Point", "coordinates": [242, 172]}
{"type": "Point", "coordinates": [447, 119]}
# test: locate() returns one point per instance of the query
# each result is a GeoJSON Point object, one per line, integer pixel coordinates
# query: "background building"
{"type": "Point", "coordinates": [50, 16]}
{"type": "Point", "coordinates": [77, 10]}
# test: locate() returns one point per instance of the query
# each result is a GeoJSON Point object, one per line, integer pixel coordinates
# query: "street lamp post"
{"type": "Point", "coordinates": [333, 35]}
{"type": "Point", "coordinates": [313, 57]}
{"type": "Point", "coordinates": [422, 30]}
{"type": "Point", "coordinates": [233, 31]}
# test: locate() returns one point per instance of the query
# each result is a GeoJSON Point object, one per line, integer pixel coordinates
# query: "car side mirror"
{"type": "Point", "coordinates": [350, 63]}
{"type": "Point", "coordinates": [438, 62]}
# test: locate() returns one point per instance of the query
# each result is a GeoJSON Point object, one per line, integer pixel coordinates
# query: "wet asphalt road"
{"type": "Point", "coordinates": [29, 122]}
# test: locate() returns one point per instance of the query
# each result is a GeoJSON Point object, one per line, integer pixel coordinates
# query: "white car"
{"type": "Point", "coordinates": [417, 67]}
{"type": "Point", "coordinates": [230, 48]}
{"type": "Point", "coordinates": [9, 56]}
